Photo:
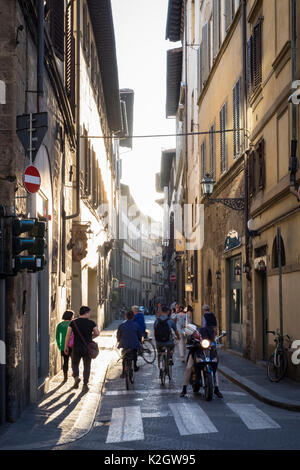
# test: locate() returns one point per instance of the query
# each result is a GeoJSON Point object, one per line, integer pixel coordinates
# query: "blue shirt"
{"type": "Point", "coordinates": [140, 320]}
{"type": "Point", "coordinates": [129, 335]}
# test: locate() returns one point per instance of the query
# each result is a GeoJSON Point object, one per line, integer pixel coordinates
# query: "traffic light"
{"type": "Point", "coordinates": [34, 244]}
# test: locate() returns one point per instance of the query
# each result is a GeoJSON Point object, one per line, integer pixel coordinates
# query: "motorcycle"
{"type": "Point", "coordinates": [205, 364]}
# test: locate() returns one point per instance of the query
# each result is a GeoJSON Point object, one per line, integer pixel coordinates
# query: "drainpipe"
{"type": "Point", "coordinates": [76, 214]}
{"type": "Point", "coordinates": [40, 61]}
{"type": "Point", "coordinates": [293, 159]}
{"type": "Point", "coordinates": [245, 125]}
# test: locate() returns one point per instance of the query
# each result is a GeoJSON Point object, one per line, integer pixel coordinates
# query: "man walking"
{"type": "Point", "coordinates": [84, 331]}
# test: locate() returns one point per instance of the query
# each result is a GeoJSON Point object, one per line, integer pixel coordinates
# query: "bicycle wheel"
{"type": "Point", "coordinates": [148, 352]}
{"type": "Point", "coordinates": [127, 373]}
{"type": "Point", "coordinates": [131, 372]}
{"type": "Point", "coordinates": [276, 371]}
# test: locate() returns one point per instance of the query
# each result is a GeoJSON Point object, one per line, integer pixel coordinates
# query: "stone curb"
{"type": "Point", "coordinates": [257, 391]}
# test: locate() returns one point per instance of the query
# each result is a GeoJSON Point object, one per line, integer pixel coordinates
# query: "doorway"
{"type": "Point", "coordinates": [235, 304]}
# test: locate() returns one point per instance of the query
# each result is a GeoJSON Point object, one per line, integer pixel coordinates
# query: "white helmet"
{"type": "Point", "coordinates": [190, 329]}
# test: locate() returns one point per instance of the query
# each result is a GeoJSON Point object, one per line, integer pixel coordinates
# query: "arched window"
{"type": "Point", "coordinates": [275, 253]}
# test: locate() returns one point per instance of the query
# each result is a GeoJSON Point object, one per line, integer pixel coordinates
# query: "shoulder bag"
{"type": "Point", "coordinates": [92, 347]}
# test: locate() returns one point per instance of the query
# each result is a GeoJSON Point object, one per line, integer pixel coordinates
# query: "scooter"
{"type": "Point", "coordinates": [205, 365]}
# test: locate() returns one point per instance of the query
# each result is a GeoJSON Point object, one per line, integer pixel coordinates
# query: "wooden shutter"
{"type": "Point", "coordinates": [212, 151]}
{"type": "Point", "coordinates": [57, 26]}
{"type": "Point", "coordinates": [249, 65]}
{"type": "Point", "coordinates": [228, 13]}
{"type": "Point", "coordinates": [205, 51]}
{"type": "Point", "coordinates": [223, 139]}
{"type": "Point", "coordinates": [203, 158]}
{"type": "Point", "coordinates": [252, 165]}
{"type": "Point", "coordinates": [237, 118]}
{"type": "Point", "coordinates": [261, 165]}
{"type": "Point", "coordinates": [216, 28]}
{"type": "Point", "coordinates": [200, 68]}
{"type": "Point", "coordinates": [70, 57]}
{"type": "Point", "coordinates": [257, 54]}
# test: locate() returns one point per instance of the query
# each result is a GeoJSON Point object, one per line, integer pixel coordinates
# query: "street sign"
{"type": "Point", "coordinates": [122, 284]}
{"type": "Point", "coordinates": [31, 129]}
{"type": "Point", "coordinates": [32, 179]}
{"type": "Point", "coordinates": [172, 278]}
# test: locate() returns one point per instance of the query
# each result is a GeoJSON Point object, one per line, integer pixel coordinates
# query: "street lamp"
{"type": "Point", "coordinates": [236, 203]}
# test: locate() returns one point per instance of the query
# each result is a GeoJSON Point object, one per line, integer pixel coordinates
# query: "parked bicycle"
{"type": "Point", "coordinates": [278, 361]}
{"type": "Point", "coordinates": [148, 350]}
{"type": "Point", "coordinates": [165, 366]}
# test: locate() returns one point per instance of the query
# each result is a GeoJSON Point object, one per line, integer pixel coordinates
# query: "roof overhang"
{"type": "Point", "coordinates": [174, 73]}
{"type": "Point", "coordinates": [103, 28]}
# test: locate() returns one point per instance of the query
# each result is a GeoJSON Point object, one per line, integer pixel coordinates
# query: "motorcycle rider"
{"type": "Point", "coordinates": [195, 336]}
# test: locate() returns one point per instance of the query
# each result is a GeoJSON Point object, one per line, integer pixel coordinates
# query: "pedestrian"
{"type": "Point", "coordinates": [190, 311]}
{"type": "Point", "coordinates": [139, 318]}
{"type": "Point", "coordinates": [84, 330]}
{"type": "Point", "coordinates": [129, 336]}
{"type": "Point", "coordinates": [158, 309]}
{"type": "Point", "coordinates": [209, 321]}
{"type": "Point", "coordinates": [61, 332]}
{"type": "Point", "coordinates": [182, 319]}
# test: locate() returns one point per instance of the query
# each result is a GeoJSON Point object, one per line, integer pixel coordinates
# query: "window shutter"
{"type": "Point", "coordinates": [201, 67]}
{"type": "Point", "coordinates": [212, 150]}
{"type": "Point", "coordinates": [205, 51]}
{"type": "Point", "coordinates": [216, 27]}
{"type": "Point", "coordinates": [262, 165]}
{"type": "Point", "coordinates": [237, 118]}
{"type": "Point", "coordinates": [249, 65]}
{"type": "Point", "coordinates": [199, 70]}
{"type": "Point", "coordinates": [57, 26]}
{"type": "Point", "coordinates": [70, 57]}
{"type": "Point", "coordinates": [223, 138]}
{"type": "Point", "coordinates": [257, 54]}
{"type": "Point", "coordinates": [252, 173]}
{"type": "Point", "coordinates": [203, 158]}
{"type": "Point", "coordinates": [228, 13]}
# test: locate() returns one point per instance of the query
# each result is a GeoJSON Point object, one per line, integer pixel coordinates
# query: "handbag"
{"type": "Point", "coordinates": [71, 341]}
{"type": "Point", "coordinates": [92, 347]}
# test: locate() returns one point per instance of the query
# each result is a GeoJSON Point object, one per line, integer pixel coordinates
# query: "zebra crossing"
{"type": "Point", "coordinates": [127, 425]}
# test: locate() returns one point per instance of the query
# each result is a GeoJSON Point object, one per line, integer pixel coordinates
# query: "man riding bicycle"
{"type": "Point", "coordinates": [163, 333]}
{"type": "Point", "coordinates": [129, 337]}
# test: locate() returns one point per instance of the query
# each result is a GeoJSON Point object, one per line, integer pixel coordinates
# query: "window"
{"type": "Point", "coordinates": [203, 158]}
{"type": "Point", "coordinates": [254, 58]}
{"type": "Point", "coordinates": [56, 10]}
{"type": "Point", "coordinates": [216, 27]}
{"type": "Point", "coordinates": [70, 57]}
{"type": "Point", "coordinates": [223, 139]}
{"type": "Point", "coordinates": [275, 253]}
{"type": "Point", "coordinates": [229, 12]}
{"type": "Point", "coordinates": [212, 152]}
{"type": "Point", "coordinates": [237, 118]}
{"type": "Point", "coordinates": [257, 174]}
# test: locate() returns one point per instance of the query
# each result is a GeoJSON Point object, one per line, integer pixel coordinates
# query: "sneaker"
{"type": "Point", "coordinates": [76, 382]}
{"type": "Point", "coordinates": [171, 363]}
{"type": "Point", "coordinates": [136, 368]}
{"type": "Point", "coordinates": [183, 391]}
{"type": "Point", "coordinates": [218, 393]}
{"type": "Point", "coordinates": [65, 378]}
{"type": "Point", "coordinates": [85, 388]}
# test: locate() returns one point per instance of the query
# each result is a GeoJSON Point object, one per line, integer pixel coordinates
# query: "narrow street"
{"type": "Point", "coordinates": [154, 417]}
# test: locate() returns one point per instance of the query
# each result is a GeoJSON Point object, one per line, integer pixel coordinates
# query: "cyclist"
{"type": "Point", "coordinates": [129, 337]}
{"type": "Point", "coordinates": [163, 327]}
{"type": "Point", "coordinates": [139, 318]}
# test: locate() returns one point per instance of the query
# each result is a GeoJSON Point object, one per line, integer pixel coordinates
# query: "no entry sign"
{"type": "Point", "coordinates": [122, 284]}
{"type": "Point", "coordinates": [32, 179]}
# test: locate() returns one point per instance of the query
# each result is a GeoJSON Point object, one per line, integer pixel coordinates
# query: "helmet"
{"type": "Point", "coordinates": [190, 329]}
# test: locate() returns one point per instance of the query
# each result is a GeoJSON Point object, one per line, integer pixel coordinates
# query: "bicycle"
{"type": "Point", "coordinates": [278, 361]}
{"type": "Point", "coordinates": [128, 360]}
{"type": "Point", "coordinates": [147, 351]}
{"type": "Point", "coordinates": [165, 366]}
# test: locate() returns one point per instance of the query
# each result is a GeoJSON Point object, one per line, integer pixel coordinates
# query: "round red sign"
{"type": "Point", "coordinates": [32, 179]}
{"type": "Point", "coordinates": [172, 278]}
{"type": "Point", "coordinates": [122, 284]}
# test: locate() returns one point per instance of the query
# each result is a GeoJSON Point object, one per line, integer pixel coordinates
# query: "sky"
{"type": "Point", "coordinates": [140, 27]}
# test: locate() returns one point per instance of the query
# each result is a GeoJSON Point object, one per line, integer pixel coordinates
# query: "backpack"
{"type": "Point", "coordinates": [162, 331]}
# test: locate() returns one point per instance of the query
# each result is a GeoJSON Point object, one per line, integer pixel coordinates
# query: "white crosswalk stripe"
{"type": "Point", "coordinates": [253, 417]}
{"type": "Point", "coordinates": [126, 425]}
{"type": "Point", "coordinates": [127, 422]}
{"type": "Point", "coordinates": [191, 419]}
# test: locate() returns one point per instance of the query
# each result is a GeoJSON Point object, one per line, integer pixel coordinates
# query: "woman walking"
{"type": "Point", "coordinates": [61, 331]}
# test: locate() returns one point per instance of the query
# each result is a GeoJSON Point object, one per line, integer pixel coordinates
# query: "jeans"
{"type": "Point", "coordinates": [65, 358]}
{"type": "Point", "coordinates": [76, 356]}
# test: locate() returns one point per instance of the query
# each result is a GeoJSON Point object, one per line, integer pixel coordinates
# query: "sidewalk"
{"type": "Point", "coordinates": [253, 378]}
{"type": "Point", "coordinates": [64, 414]}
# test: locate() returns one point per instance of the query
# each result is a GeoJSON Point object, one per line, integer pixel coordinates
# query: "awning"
{"type": "Point", "coordinates": [174, 73]}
